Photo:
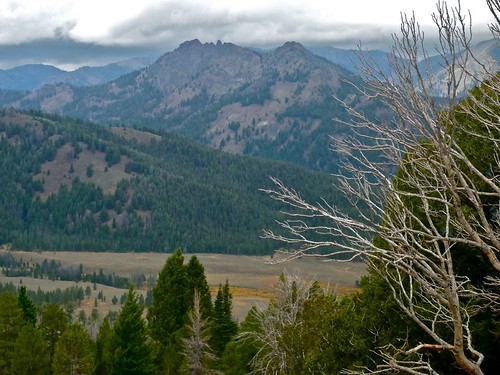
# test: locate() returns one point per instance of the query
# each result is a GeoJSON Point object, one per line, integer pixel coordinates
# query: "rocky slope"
{"type": "Point", "coordinates": [278, 104]}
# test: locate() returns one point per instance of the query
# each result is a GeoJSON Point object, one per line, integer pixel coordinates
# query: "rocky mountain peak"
{"type": "Point", "coordinates": [221, 94]}
{"type": "Point", "coordinates": [195, 43]}
{"type": "Point", "coordinates": [291, 45]}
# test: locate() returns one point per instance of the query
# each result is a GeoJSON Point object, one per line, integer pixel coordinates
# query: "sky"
{"type": "Point", "coordinates": [73, 33]}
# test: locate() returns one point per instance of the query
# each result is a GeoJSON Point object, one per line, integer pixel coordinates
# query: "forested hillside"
{"type": "Point", "coordinates": [74, 185]}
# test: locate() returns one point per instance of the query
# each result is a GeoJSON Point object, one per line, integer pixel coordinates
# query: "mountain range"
{"type": "Point", "coordinates": [33, 76]}
{"type": "Point", "coordinates": [280, 104]}
{"type": "Point", "coordinates": [485, 58]}
{"type": "Point", "coordinates": [140, 184]}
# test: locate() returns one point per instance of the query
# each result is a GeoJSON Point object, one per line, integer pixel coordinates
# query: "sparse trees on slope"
{"type": "Point", "coordinates": [444, 201]}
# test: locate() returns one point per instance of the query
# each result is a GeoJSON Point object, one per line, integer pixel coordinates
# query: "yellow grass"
{"type": "Point", "coordinates": [251, 278]}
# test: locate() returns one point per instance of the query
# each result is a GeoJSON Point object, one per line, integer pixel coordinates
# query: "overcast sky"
{"type": "Point", "coordinates": [71, 33]}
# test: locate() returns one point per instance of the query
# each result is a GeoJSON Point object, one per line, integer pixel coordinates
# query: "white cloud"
{"type": "Point", "coordinates": [163, 24]}
{"type": "Point", "coordinates": [23, 21]}
{"type": "Point", "coordinates": [163, 21]}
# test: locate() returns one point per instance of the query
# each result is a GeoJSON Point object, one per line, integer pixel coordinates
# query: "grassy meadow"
{"type": "Point", "coordinates": [252, 278]}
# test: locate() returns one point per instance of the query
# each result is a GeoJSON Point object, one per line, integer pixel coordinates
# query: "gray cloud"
{"type": "Point", "coordinates": [60, 37]}
{"type": "Point", "coordinates": [172, 23]}
{"type": "Point", "coordinates": [69, 54]}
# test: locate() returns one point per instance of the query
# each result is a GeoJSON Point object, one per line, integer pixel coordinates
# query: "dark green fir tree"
{"type": "Point", "coordinates": [132, 352]}
{"type": "Point", "coordinates": [168, 312]}
{"type": "Point", "coordinates": [104, 349]}
{"type": "Point", "coordinates": [224, 328]}
{"type": "Point", "coordinates": [27, 306]}
{"type": "Point", "coordinates": [198, 281]}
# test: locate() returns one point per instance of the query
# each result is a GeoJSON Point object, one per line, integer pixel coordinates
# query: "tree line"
{"type": "Point", "coordinates": [53, 270]}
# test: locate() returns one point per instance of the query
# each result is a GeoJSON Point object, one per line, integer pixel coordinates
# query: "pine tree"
{"type": "Point", "coordinates": [130, 341]}
{"type": "Point", "coordinates": [53, 325]}
{"type": "Point", "coordinates": [238, 354]}
{"type": "Point", "coordinates": [104, 350]}
{"type": "Point", "coordinates": [168, 312]}
{"type": "Point", "coordinates": [27, 306]}
{"type": "Point", "coordinates": [74, 352]}
{"type": "Point", "coordinates": [198, 281]}
{"type": "Point", "coordinates": [31, 353]}
{"type": "Point", "coordinates": [11, 322]}
{"type": "Point", "coordinates": [223, 327]}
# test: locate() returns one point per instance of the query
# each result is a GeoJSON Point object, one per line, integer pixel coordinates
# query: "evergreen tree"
{"type": "Point", "coordinates": [168, 312]}
{"type": "Point", "coordinates": [31, 353]}
{"type": "Point", "coordinates": [132, 353]}
{"type": "Point", "coordinates": [198, 281]}
{"type": "Point", "coordinates": [223, 326]}
{"type": "Point", "coordinates": [27, 306]}
{"type": "Point", "coordinates": [74, 352]}
{"type": "Point", "coordinates": [238, 355]}
{"type": "Point", "coordinates": [11, 322]}
{"type": "Point", "coordinates": [53, 325]}
{"type": "Point", "coordinates": [170, 299]}
{"type": "Point", "coordinates": [104, 350]}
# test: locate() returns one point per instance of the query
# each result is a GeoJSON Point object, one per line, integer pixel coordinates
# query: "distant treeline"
{"type": "Point", "coordinates": [53, 270]}
{"type": "Point", "coordinates": [59, 296]}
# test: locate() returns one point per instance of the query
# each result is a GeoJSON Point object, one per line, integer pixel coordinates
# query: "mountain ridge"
{"type": "Point", "coordinates": [277, 104]}
{"type": "Point", "coordinates": [72, 185]}
{"type": "Point", "coordinates": [33, 76]}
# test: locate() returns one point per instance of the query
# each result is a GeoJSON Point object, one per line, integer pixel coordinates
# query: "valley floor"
{"type": "Point", "coordinates": [251, 278]}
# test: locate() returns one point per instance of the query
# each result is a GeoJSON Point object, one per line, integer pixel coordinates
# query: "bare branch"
{"type": "Point", "coordinates": [442, 198]}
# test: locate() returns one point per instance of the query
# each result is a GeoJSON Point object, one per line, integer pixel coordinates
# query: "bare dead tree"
{"type": "Point", "coordinates": [435, 203]}
{"type": "Point", "coordinates": [196, 346]}
{"type": "Point", "coordinates": [494, 6]}
{"type": "Point", "coordinates": [274, 357]}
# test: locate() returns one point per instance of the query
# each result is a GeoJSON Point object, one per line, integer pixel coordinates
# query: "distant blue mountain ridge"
{"type": "Point", "coordinates": [33, 76]}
